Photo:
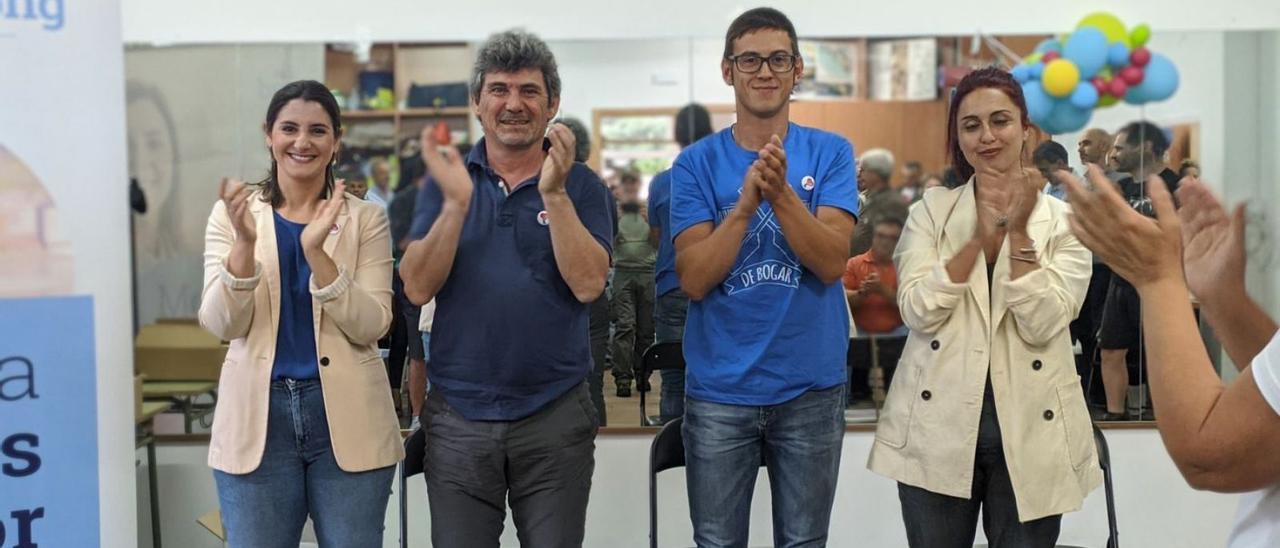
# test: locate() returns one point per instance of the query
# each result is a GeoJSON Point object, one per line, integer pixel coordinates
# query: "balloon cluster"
{"type": "Point", "coordinates": [1096, 66]}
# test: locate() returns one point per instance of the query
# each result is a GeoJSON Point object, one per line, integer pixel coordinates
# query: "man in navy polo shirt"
{"type": "Point", "coordinates": [512, 243]}
{"type": "Point", "coordinates": [762, 213]}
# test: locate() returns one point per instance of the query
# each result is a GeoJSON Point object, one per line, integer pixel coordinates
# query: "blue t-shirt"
{"type": "Point", "coordinates": [509, 336]}
{"type": "Point", "coordinates": [772, 330]}
{"type": "Point", "coordinates": [664, 270]}
{"type": "Point", "coordinates": [295, 334]}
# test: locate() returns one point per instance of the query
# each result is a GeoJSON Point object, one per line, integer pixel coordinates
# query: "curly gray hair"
{"type": "Point", "coordinates": [511, 51]}
{"type": "Point", "coordinates": [878, 161]}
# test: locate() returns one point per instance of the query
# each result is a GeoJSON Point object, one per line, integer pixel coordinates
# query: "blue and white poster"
{"type": "Point", "coordinates": [48, 437]}
{"type": "Point", "coordinates": [67, 456]}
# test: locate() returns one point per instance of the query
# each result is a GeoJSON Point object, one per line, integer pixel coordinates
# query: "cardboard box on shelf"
{"type": "Point", "coordinates": [178, 352]}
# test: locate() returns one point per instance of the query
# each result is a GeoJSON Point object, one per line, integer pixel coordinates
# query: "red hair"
{"type": "Point", "coordinates": [990, 77]}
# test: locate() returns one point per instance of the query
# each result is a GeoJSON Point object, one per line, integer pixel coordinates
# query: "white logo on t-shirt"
{"type": "Point", "coordinates": [807, 182]}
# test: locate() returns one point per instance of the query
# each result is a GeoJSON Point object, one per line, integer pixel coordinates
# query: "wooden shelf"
{"type": "Point", "coordinates": [429, 112]}
{"type": "Point", "coordinates": [369, 114]}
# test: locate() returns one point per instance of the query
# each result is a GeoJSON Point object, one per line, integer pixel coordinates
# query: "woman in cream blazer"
{"type": "Point", "coordinates": [986, 410]}
{"type": "Point", "coordinates": [298, 278]}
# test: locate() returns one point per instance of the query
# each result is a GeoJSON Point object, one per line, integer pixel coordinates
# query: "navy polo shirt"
{"type": "Point", "coordinates": [509, 337]}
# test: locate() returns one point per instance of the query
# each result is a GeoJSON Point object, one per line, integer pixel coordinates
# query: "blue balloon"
{"type": "Point", "coordinates": [1039, 104]}
{"type": "Point", "coordinates": [1037, 70]}
{"type": "Point", "coordinates": [1049, 44]}
{"type": "Point", "coordinates": [1118, 55]}
{"type": "Point", "coordinates": [1085, 95]}
{"type": "Point", "coordinates": [1066, 117]}
{"type": "Point", "coordinates": [1087, 48]}
{"type": "Point", "coordinates": [1021, 73]}
{"type": "Point", "coordinates": [1159, 80]}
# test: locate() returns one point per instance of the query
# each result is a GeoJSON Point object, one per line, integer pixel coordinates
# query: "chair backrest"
{"type": "Point", "coordinates": [1104, 452]}
{"type": "Point", "coordinates": [666, 355]}
{"type": "Point", "coordinates": [667, 450]}
{"type": "Point", "coordinates": [415, 452]}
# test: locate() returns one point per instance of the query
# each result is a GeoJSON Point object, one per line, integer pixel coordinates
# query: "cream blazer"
{"type": "Point", "coordinates": [350, 315]}
{"type": "Point", "coordinates": [1016, 332]}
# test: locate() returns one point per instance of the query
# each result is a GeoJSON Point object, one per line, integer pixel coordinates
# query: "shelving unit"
{"type": "Point", "coordinates": [383, 132]}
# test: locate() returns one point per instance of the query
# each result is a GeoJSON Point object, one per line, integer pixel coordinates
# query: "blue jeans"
{"type": "Point", "coordinates": [798, 441]}
{"type": "Point", "coordinates": [669, 313]}
{"type": "Point", "coordinates": [298, 477]}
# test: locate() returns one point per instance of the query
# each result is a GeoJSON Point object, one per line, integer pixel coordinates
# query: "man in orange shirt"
{"type": "Point", "coordinates": [871, 285]}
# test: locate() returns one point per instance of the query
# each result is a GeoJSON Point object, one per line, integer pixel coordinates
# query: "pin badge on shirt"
{"type": "Point", "coordinates": [543, 218]}
{"type": "Point", "coordinates": [333, 229]}
{"type": "Point", "coordinates": [807, 182]}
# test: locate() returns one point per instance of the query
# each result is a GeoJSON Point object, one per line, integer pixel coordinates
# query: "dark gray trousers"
{"type": "Point", "coordinates": [541, 465]}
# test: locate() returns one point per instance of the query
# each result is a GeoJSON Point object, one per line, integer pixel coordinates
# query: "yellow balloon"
{"type": "Point", "coordinates": [1110, 25]}
{"type": "Point", "coordinates": [1060, 78]}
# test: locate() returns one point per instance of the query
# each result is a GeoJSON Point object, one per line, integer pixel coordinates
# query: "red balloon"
{"type": "Point", "coordinates": [1131, 75]}
{"type": "Point", "coordinates": [1101, 85]}
{"type": "Point", "coordinates": [1118, 87]}
{"type": "Point", "coordinates": [1049, 56]}
{"type": "Point", "coordinates": [1140, 57]}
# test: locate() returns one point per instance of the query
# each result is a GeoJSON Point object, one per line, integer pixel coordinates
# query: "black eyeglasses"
{"type": "Point", "coordinates": [750, 63]}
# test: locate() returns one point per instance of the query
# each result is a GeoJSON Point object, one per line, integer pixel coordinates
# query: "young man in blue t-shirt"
{"type": "Point", "coordinates": [762, 214]}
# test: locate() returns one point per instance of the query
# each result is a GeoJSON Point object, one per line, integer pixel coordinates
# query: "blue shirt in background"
{"type": "Point", "coordinates": [772, 330]}
{"type": "Point", "coordinates": [295, 334]}
{"type": "Point", "coordinates": [660, 218]}
{"type": "Point", "coordinates": [509, 336]}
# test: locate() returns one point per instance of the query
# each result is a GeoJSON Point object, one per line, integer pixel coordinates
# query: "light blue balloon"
{"type": "Point", "coordinates": [1066, 117]}
{"type": "Point", "coordinates": [1159, 80]}
{"type": "Point", "coordinates": [1085, 96]}
{"type": "Point", "coordinates": [1087, 48]}
{"type": "Point", "coordinates": [1039, 104]}
{"type": "Point", "coordinates": [1021, 73]}
{"type": "Point", "coordinates": [1118, 55]}
{"type": "Point", "coordinates": [1049, 44]}
{"type": "Point", "coordinates": [1134, 96]}
{"type": "Point", "coordinates": [1037, 70]}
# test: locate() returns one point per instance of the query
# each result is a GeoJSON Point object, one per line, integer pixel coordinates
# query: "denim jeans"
{"type": "Point", "coordinates": [298, 477]}
{"type": "Point", "coordinates": [799, 441]}
{"type": "Point", "coordinates": [669, 313]}
{"type": "Point", "coordinates": [940, 521]}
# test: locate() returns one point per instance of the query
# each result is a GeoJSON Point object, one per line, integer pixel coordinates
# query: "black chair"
{"type": "Point", "coordinates": [1104, 462]}
{"type": "Point", "coordinates": [666, 452]}
{"type": "Point", "coordinates": [415, 451]}
{"type": "Point", "coordinates": [659, 356]}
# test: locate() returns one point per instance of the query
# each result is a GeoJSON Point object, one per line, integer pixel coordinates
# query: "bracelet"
{"type": "Point", "coordinates": [1032, 260]}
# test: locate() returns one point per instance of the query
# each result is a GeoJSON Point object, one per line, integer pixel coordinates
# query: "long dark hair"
{"type": "Point", "coordinates": [990, 77]}
{"type": "Point", "coordinates": [307, 90]}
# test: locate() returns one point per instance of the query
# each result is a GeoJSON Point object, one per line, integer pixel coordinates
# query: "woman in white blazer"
{"type": "Point", "coordinates": [986, 410]}
{"type": "Point", "coordinates": [298, 278]}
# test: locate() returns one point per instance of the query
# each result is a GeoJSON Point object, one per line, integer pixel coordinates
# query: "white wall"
{"type": "Point", "coordinates": [1154, 505]}
{"type": "Point", "coordinates": [166, 21]}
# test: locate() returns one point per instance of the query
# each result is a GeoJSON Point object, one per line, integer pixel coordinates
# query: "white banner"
{"type": "Point", "coordinates": [66, 401]}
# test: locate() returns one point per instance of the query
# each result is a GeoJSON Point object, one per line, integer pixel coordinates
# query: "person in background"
{"type": "Point", "coordinates": [879, 199]}
{"type": "Point", "coordinates": [513, 244]}
{"type": "Point", "coordinates": [1138, 152]}
{"type": "Point", "coordinates": [931, 180]}
{"type": "Point", "coordinates": [1223, 438]}
{"type": "Point", "coordinates": [762, 213]}
{"type": "Point", "coordinates": [297, 275]}
{"type": "Point", "coordinates": [993, 421]}
{"type": "Point", "coordinates": [634, 255]}
{"type": "Point", "coordinates": [693, 122]}
{"type": "Point", "coordinates": [352, 181]}
{"type": "Point", "coordinates": [912, 185]}
{"type": "Point", "coordinates": [1189, 168]}
{"type": "Point", "coordinates": [871, 285]}
{"type": "Point", "coordinates": [380, 181]}
{"type": "Point", "coordinates": [1050, 157]}
{"type": "Point", "coordinates": [1094, 147]}
{"type": "Point", "coordinates": [599, 312]}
